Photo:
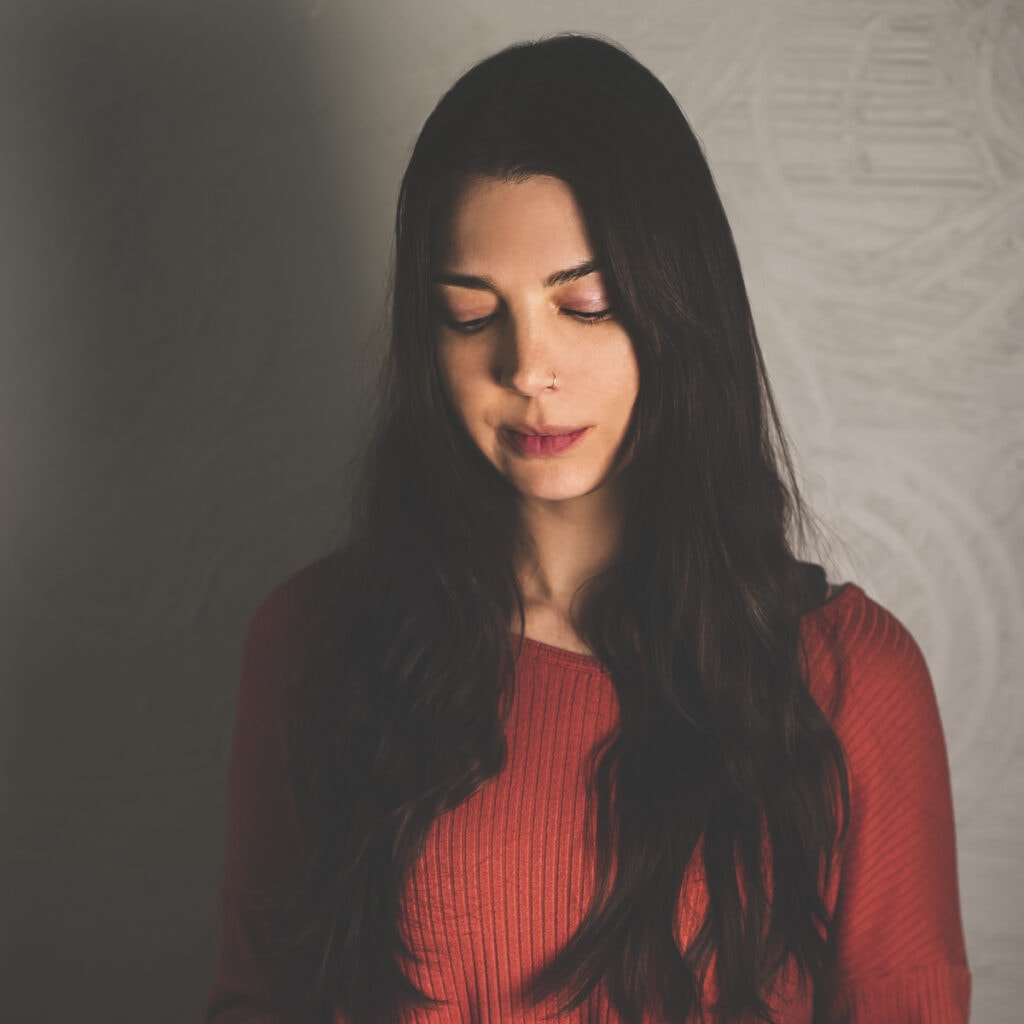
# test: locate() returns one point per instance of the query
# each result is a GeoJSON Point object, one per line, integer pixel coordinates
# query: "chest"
{"type": "Point", "coordinates": [506, 877]}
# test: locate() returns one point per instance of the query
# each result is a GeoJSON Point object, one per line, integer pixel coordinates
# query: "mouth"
{"type": "Point", "coordinates": [544, 431]}
{"type": "Point", "coordinates": [560, 439]}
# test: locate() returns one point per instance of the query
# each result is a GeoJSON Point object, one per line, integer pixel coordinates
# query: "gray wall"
{"type": "Point", "coordinates": [195, 203]}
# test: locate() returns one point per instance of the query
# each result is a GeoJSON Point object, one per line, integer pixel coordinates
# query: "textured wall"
{"type": "Point", "coordinates": [195, 201]}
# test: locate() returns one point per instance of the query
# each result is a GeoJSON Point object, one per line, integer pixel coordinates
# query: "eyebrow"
{"type": "Point", "coordinates": [486, 284]}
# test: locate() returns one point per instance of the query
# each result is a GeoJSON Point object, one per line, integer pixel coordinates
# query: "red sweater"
{"type": "Point", "coordinates": [505, 877]}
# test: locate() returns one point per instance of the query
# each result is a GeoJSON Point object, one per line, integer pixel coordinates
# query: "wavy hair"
{"type": "Point", "coordinates": [720, 752]}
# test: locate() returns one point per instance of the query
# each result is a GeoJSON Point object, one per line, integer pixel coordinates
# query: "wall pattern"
{"type": "Point", "coordinates": [196, 202]}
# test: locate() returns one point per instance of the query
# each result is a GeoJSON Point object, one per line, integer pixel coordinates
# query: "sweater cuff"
{"type": "Point", "coordinates": [938, 993]}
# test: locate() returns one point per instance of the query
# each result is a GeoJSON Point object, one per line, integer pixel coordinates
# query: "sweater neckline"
{"type": "Point", "coordinates": [561, 655]}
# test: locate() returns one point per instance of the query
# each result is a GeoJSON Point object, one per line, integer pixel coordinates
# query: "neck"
{"type": "Point", "coordinates": [571, 542]}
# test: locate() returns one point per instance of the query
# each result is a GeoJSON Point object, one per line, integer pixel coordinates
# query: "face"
{"type": "Point", "coordinates": [519, 299]}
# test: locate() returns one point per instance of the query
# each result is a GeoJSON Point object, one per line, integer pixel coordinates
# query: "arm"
{"type": "Point", "coordinates": [900, 945]}
{"type": "Point", "coordinates": [262, 849]}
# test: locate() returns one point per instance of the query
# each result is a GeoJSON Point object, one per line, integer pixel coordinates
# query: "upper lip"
{"type": "Point", "coordinates": [543, 431]}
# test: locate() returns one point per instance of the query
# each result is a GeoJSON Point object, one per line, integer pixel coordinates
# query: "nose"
{"type": "Point", "coordinates": [525, 355]}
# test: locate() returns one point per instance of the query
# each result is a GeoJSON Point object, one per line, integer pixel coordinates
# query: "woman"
{"type": "Point", "coordinates": [565, 729]}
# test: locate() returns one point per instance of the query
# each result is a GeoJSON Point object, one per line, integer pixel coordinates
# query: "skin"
{"type": "Point", "coordinates": [501, 336]}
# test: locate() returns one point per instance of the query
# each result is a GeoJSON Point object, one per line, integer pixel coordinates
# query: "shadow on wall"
{"type": "Point", "coordinates": [174, 225]}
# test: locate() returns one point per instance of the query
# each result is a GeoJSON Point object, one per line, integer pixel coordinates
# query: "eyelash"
{"type": "Point", "coordinates": [472, 326]}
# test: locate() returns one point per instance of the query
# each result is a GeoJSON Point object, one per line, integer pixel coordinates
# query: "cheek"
{"type": "Point", "coordinates": [444, 371]}
{"type": "Point", "coordinates": [460, 380]}
{"type": "Point", "coordinates": [616, 373]}
{"type": "Point", "coordinates": [451, 363]}
{"type": "Point", "coordinates": [630, 368]}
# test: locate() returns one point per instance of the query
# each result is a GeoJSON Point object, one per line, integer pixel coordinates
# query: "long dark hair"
{"type": "Point", "coordinates": [719, 744]}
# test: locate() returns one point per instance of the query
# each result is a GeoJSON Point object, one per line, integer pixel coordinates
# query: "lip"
{"type": "Point", "coordinates": [543, 430]}
{"type": "Point", "coordinates": [542, 445]}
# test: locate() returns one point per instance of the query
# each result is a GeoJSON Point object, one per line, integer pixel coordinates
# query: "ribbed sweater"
{"type": "Point", "coordinates": [506, 876]}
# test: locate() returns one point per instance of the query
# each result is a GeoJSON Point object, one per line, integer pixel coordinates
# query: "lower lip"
{"type": "Point", "coordinates": [531, 444]}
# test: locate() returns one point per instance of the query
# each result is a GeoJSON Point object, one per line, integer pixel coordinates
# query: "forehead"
{"type": "Point", "coordinates": [534, 225]}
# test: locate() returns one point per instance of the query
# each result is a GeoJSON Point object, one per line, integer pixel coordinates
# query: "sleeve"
{"type": "Point", "coordinates": [900, 944]}
{"type": "Point", "coordinates": [262, 847]}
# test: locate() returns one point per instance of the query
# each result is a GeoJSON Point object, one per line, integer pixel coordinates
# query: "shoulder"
{"type": "Point", "coordinates": [866, 668]}
{"type": "Point", "coordinates": [303, 594]}
{"type": "Point", "coordinates": [288, 624]}
{"type": "Point", "coordinates": [869, 676]}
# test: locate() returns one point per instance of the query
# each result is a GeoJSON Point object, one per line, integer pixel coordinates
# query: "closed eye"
{"type": "Point", "coordinates": [594, 317]}
{"type": "Point", "coordinates": [469, 326]}
{"type": "Point", "coordinates": [479, 323]}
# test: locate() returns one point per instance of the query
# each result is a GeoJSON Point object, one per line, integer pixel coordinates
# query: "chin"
{"type": "Point", "coordinates": [561, 490]}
